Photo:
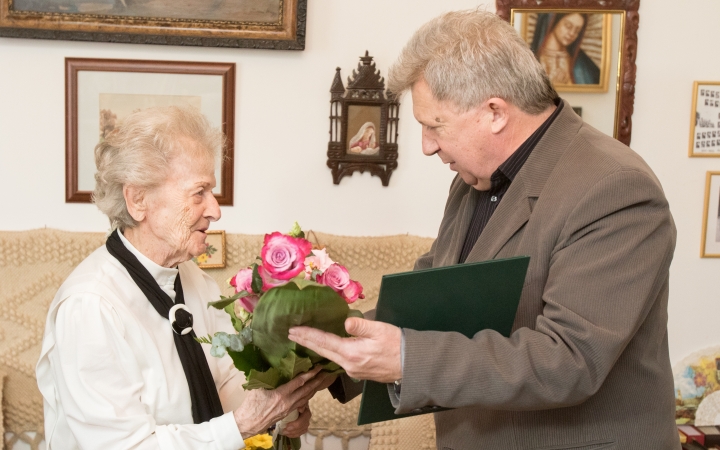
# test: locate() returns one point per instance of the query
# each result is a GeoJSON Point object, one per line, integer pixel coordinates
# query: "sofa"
{"type": "Point", "coordinates": [34, 263]}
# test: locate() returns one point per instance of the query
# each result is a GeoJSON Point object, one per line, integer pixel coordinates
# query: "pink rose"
{"type": "Point", "coordinates": [336, 277]}
{"type": "Point", "coordinates": [249, 302]}
{"type": "Point", "coordinates": [318, 260]}
{"type": "Point", "coordinates": [242, 281]}
{"type": "Point", "coordinates": [352, 292]}
{"type": "Point", "coordinates": [268, 281]}
{"type": "Point", "coordinates": [283, 256]}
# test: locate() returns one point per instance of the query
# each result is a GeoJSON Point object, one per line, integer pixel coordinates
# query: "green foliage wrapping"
{"type": "Point", "coordinates": [297, 303]}
{"type": "Point", "coordinates": [272, 359]}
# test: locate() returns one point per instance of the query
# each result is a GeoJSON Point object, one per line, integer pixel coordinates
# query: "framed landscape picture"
{"type": "Point", "coordinates": [268, 24]}
{"type": "Point", "coordinates": [705, 119]}
{"type": "Point", "coordinates": [100, 93]}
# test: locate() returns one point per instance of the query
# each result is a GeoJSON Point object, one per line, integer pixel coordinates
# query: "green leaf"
{"type": "Point", "coordinates": [270, 379]}
{"type": "Point", "coordinates": [236, 323]}
{"type": "Point", "coordinates": [302, 283]}
{"type": "Point", "coordinates": [332, 367]}
{"type": "Point", "coordinates": [286, 306]}
{"type": "Point", "coordinates": [224, 301]}
{"type": "Point", "coordinates": [249, 359]}
{"type": "Point", "coordinates": [296, 231]}
{"type": "Point", "coordinates": [204, 339]}
{"type": "Point", "coordinates": [355, 313]}
{"type": "Point", "coordinates": [292, 365]}
{"type": "Point", "coordinates": [257, 282]}
{"type": "Point", "coordinates": [286, 443]}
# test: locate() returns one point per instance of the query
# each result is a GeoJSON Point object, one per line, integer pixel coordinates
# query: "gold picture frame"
{"type": "Point", "coordinates": [589, 51]}
{"type": "Point", "coordinates": [214, 257]}
{"type": "Point", "coordinates": [263, 24]}
{"type": "Point", "coordinates": [705, 119]}
{"type": "Point", "coordinates": [710, 241]}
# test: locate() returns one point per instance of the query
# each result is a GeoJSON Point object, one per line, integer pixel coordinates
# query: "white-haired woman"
{"type": "Point", "coordinates": [119, 367]}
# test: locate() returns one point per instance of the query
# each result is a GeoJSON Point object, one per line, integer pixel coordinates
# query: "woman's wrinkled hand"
{"type": "Point", "coordinates": [299, 426]}
{"type": "Point", "coordinates": [263, 408]}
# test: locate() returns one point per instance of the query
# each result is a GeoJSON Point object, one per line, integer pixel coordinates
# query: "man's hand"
{"type": "Point", "coordinates": [373, 353]}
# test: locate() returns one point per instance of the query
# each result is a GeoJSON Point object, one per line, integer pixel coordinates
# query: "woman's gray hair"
{"type": "Point", "coordinates": [467, 57]}
{"type": "Point", "coordinates": [139, 153]}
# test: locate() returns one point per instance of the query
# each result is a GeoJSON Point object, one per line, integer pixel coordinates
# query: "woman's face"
{"type": "Point", "coordinates": [180, 210]}
{"type": "Point", "coordinates": [568, 29]}
{"type": "Point", "coordinates": [369, 131]}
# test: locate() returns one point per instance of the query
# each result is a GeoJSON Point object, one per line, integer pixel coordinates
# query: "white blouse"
{"type": "Point", "coordinates": [109, 372]}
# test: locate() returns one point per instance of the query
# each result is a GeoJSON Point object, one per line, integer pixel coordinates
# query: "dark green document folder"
{"type": "Point", "coordinates": [465, 298]}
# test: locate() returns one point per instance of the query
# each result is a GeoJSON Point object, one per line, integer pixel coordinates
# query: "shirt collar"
{"type": "Point", "coordinates": [510, 168]}
{"type": "Point", "coordinates": [164, 276]}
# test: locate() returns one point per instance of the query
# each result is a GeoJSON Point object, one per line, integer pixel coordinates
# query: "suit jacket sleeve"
{"type": "Point", "coordinates": [609, 263]}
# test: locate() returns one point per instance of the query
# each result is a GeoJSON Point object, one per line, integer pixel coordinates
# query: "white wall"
{"type": "Point", "coordinates": [281, 135]}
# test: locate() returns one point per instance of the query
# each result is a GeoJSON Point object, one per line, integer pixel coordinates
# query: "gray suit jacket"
{"type": "Point", "coordinates": [587, 363]}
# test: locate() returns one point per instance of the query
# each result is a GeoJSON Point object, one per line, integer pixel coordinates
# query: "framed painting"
{"type": "Point", "coordinates": [617, 103]}
{"type": "Point", "coordinates": [99, 93]}
{"type": "Point", "coordinates": [710, 247]}
{"type": "Point", "coordinates": [705, 119]}
{"type": "Point", "coordinates": [363, 125]}
{"type": "Point", "coordinates": [572, 46]}
{"type": "Point", "coordinates": [214, 256]}
{"type": "Point", "coordinates": [267, 24]}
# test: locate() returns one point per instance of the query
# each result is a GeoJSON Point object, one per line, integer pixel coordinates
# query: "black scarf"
{"type": "Point", "coordinates": [205, 400]}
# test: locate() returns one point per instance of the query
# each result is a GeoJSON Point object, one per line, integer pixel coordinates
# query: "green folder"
{"type": "Point", "coordinates": [465, 298]}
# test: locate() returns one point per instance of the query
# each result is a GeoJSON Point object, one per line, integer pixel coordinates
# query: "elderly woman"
{"type": "Point", "coordinates": [119, 366]}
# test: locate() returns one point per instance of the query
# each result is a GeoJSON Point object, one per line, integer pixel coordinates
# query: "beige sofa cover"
{"type": "Point", "coordinates": [34, 263]}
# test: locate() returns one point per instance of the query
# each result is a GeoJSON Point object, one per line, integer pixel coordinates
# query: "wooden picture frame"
{"type": "Point", "coordinates": [710, 241]}
{"type": "Point", "coordinates": [214, 256]}
{"type": "Point", "coordinates": [93, 85]}
{"type": "Point", "coordinates": [591, 47]}
{"type": "Point", "coordinates": [628, 48]}
{"type": "Point", "coordinates": [363, 124]}
{"type": "Point", "coordinates": [705, 119]}
{"type": "Point", "coordinates": [265, 24]}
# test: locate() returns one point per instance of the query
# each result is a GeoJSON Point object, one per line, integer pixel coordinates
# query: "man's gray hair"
{"type": "Point", "coordinates": [139, 152]}
{"type": "Point", "coordinates": [468, 57]}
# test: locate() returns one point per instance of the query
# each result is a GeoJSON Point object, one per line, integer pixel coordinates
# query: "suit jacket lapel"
{"type": "Point", "coordinates": [512, 213]}
{"type": "Point", "coordinates": [515, 208]}
{"type": "Point", "coordinates": [465, 213]}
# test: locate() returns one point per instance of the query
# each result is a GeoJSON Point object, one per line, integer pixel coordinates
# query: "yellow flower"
{"type": "Point", "coordinates": [258, 442]}
{"type": "Point", "coordinates": [202, 258]}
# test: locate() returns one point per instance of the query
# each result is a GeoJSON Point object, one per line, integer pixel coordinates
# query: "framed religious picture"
{"type": "Point", "coordinates": [363, 124]}
{"type": "Point", "coordinates": [705, 119]}
{"type": "Point", "coordinates": [267, 24]}
{"type": "Point", "coordinates": [100, 93]}
{"type": "Point", "coordinates": [710, 247]}
{"type": "Point", "coordinates": [214, 256]}
{"type": "Point", "coordinates": [573, 47]}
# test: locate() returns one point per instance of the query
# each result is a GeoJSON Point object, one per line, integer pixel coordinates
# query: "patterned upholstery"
{"type": "Point", "coordinates": [34, 263]}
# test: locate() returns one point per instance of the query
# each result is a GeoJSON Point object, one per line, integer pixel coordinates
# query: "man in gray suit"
{"type": "Point", "coordinates": [586, 366]}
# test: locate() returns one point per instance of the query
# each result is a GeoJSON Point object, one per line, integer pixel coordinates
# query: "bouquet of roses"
{"type": "Point", "coordinates": [290, 284]}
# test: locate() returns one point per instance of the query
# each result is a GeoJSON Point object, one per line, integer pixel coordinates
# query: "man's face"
{"type": "Point", "coordinates": [461, 139]}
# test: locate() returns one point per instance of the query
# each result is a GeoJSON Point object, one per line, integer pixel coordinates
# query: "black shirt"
{"type": "Point", "coordinates": [499, 184]}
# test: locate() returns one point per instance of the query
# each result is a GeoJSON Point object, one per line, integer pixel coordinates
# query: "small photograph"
{"type": "Point", "coordinates": [214, 256]}
{"type": "Point", "coordinates": [704, 124]}
{"type": "Point", "coordinates": [574, 48]}
{"type": "Point", "coordinates": [363, 128]}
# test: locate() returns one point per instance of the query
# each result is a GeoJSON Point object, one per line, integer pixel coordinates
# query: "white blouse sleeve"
{"type": "Point", "coordinates": [101, 402]}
